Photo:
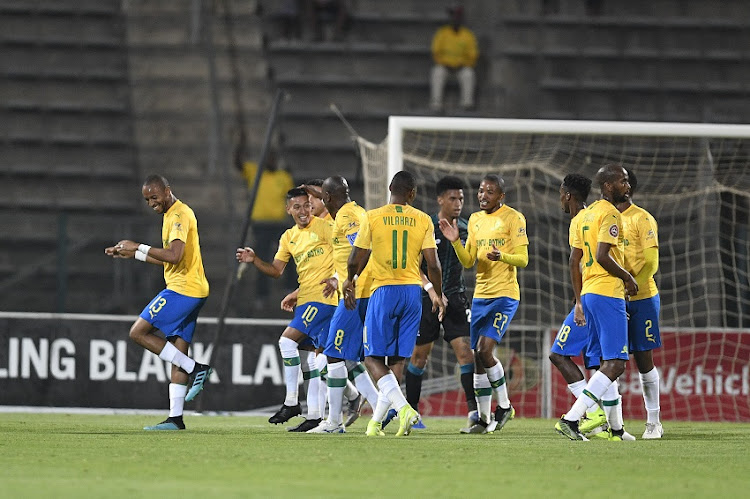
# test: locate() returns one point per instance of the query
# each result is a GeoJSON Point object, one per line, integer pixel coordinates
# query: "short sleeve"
{"type": "Point", "coordinates": [364, 237]}
{"type": "Point", "coordinates": [574, 235]}
{"type": "Point", "coordinates": [429, 237]}
{"type": "Point", "coordinates": [283, 252]}
{"type": "Point", "coordinates": [610, 228]}
{"type": "Point", "coordinates": [179, 227]}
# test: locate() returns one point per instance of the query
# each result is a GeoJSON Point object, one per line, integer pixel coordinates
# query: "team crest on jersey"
{"type": "Point", "coordinates": [614, 231]}
{"type": "Point", "coordinates": [313, 236]}
{"type": "Point", "coordinates": [498, 225]}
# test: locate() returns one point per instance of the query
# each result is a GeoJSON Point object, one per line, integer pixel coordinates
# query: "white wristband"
{"type": "Point", "coordinates": [356, 276]}
{"type": "Point", "coordinates": [140, 256]}
{"type": "Point", "coordinates": [428, 286]}
{"type": "Point", "coordinates": [336, 275]}
{"type": "Point", "coordinates": [143, 248]}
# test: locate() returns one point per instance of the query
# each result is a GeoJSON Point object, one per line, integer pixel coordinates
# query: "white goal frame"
{"type": "Point", "coordinates": [398, 124]}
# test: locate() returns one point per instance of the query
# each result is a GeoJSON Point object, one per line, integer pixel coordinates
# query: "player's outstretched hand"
{"type": "Point", "coordinates": [121, 250]}
{"type": "Point", "coordinates": [449, 230]}
{"type": "Point", "coordinates": [313, 190]}
{"type": "Point", "coordinates": [331, 286]}
{"type": "Point", "coordinates": [349, 299]}
{"type": "Point", "coordinates": [495, 254]}
{"type": "Point", "coordinates": [245, 255]}
{"type": "Point", "coordinates": [289, 302]}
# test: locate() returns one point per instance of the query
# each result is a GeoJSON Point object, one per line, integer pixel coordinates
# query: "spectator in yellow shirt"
{"type": "Point", "coordinates": [270, 219]}
{"type": "Point", "coordinates": [454, 50]}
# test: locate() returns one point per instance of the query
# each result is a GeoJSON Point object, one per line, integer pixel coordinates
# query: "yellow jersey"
{"type": "Point", "coordinates": [601, 223]}
{"type": "Point", "coordinates": [453, 48]}
{"type": "Point", "coordinates": [313, 255]}
{"type": "Point", "coordinates": [640, 232]}
{"type": "Point", "coordinates": [574, 231]}
{"type": "Point", "coordinates": [345, 229]}
{"type": "Point", "coordinates": [186, 277]}
{"type": "Point", "coordinates": [270, 203]}
{"type": "Point", "coordinates": [397, 234]}
{"type": "Point", "coordinates": [506, 229]}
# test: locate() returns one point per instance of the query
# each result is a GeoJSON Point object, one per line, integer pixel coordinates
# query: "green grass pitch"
{"type": "Point", "coordinates": [66, 455]}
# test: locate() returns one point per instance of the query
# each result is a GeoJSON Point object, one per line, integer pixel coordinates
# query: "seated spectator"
{"type": "Point", "coordinates": [454, 50]}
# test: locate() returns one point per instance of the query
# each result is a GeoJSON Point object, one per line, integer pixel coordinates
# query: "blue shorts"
{"type": "Point", "coordinates": [643, 324]}
{"type": "Point", "coordinates": [491, 317]}
{"type": "Point", "coordinates": [572, 340]}
{"type": "Point", "coordinates": [392, 321]}
{"type": "Point", "coordinates": [313, 318]}
{"type": "Point", "coordinates": [608, 327]}
{"type": "Point", "coordinates": [173, 314]}
{"type": "Point", "coordinates": [345, 332]}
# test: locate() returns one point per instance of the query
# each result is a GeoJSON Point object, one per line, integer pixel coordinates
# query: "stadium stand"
{"type": "Point", "coordinates": [96, 93]}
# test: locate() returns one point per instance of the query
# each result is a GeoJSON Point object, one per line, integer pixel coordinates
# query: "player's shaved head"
{"type": "Point", "coordinates": [609, 173]}
{"type": "Point", "coordinates": [336, 186]}
{"type": "Point", "coordinates": [495, 179]}
{"type": "Point", "coordinates": [577, 185]}
{"type": "Point", "coordinates": [156, 180]}
{"type": "Point", "coordinates": [403, 183]}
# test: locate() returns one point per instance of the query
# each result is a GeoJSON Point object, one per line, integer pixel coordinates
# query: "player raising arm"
{"type": "Point", "coordinates": [308, 243]}
{"type": "Point", "coordinates": [498, 244]}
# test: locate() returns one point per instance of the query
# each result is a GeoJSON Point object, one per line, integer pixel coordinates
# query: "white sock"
{"type": "Point", "coordinates": [364, 384]}
{"type": "Point", "coordinates": [389, 385]}
{"type": "Point", "coordinates": [612, 406]}
{"type": "Point", "coordinates": [171, 354]}
{"type": "Point", "coordinates": [577, 388]}
{"type": "Point", "coordinates": [337, 378]}
{"type": "Point", "coordinates": [290, 355]}
{"type": "Point", "coordinates": [595, 388]}
{"type": "Point", "coordinates": [496, 375]}
{"type": "Point", "coordinates": [322, 362]}
{"type": "Point", "coordinates": [650, 386]}
{"type": "Point", "coordinates": [176, 399]}
{"type": "Point", "coordinates": [350, 391]}
{"type": "Point", "coordinates": [312, 376]}
{"type": "Point", "coordinates": [381, 407]}
{"type": "Point", "coordinates": [483, 393]}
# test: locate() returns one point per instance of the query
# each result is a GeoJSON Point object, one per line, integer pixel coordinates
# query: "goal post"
{"type": "Point", "coordinates": [694, 179]}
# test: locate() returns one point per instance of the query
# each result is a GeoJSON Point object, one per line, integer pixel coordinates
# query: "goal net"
{"type": "Point", "coordinates": [693, 178]}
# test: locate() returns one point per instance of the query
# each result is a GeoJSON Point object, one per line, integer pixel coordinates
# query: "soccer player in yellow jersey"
{"type": "Point", "coordinates": [573, 336]}
{"type": "Point", "coordinates": [642, 261]}
{"type": "Point", "coordinates": [398, 235]}
{"type": "Point", "coordinates": [343, 346]}
{"type": "Point", "coordinates": [498, 244]}
{"type": "Point", "coordinates": [309, 244]}
{"type": "Point", "coordinates": [605, 283]}
{"type": "Point", "coordinates": [174, 311]}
